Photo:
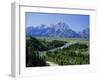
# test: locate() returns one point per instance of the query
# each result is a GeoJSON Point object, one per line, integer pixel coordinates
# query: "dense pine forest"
{"type": "Point", "coordinates": [41, 50]}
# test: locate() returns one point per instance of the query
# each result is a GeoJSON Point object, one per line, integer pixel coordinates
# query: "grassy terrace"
{"type": "Point", "coordinates": [71, 40]}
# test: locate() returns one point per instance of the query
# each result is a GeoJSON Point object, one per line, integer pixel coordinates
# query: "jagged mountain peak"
{"type": "Point", "coordinates": [59, 29]}
{"type": "Point", "coordinates": [85, 33]}
{"type": "Point", "coordinates": [61, 26]}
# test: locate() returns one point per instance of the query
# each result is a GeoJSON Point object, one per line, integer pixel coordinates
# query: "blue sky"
{"type": "Point", "coordinates": [75, 22]}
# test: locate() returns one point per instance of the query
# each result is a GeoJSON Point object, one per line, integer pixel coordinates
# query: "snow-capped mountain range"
{"type": "Point", "coordinates": [56, 30]}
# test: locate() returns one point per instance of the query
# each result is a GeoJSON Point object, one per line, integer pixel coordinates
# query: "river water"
{"type": "Point", "coordinates": [64, 46]}
{"type": "Point", "coordinates": [43, 53]}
